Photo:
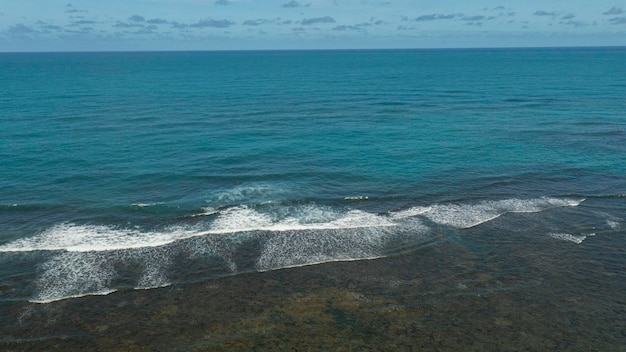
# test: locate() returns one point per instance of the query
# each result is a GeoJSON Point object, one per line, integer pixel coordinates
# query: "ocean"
{"type": "Point", "coordinates": [467, 199]}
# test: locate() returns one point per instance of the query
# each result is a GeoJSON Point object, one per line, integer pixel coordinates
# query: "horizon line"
{"type": "Point", "coordinates": [547, 47]}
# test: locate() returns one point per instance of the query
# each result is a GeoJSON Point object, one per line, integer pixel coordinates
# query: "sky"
{"type": "Point", "coordinates": [111, 25]}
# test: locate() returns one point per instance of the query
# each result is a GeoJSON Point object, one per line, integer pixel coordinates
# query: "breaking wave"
{"type": "Point", "coordinates": [79, 259]}
{"type": "Point", "coordinates": [465, 216]}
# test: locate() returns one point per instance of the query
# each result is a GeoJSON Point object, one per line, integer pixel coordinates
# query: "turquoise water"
{"type": "Point", "coordinates": [123, 171]}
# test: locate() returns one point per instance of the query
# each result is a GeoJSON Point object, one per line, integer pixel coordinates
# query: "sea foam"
{"type": "Point", "coordinates": [87, 238]}
{"type": "Point", "coordinates": [465, 216]}
{"type": "Point", "coordinates": [86, 259]}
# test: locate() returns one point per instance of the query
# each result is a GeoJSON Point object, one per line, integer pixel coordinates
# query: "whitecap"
{"type": "Point", "coordinates": [613, 224]}
{"type": "Point", "coordinates": [465, 216]}
{"type": "Point", "coordinates": [206, 211]}
{"type": "Point", "coordinates": [569, 237]}
{"type": "Point", "coordinates": [145, 205]}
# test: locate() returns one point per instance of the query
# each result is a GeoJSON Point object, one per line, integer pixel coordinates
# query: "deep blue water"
{"type": "Point", "coordinates": [142, 170]}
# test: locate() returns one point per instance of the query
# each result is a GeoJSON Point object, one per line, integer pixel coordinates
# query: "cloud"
{"type": "Point", "coordinates": [82, 22]}
{"type": "Point", "coordinates": [157, 21]}
{"type": "Point", "coordinates": [435, 17]}
{"type": "Point", "coordinates": [177, 25]}
{"type": "Point", "coordinates": [294, 3]}
{"type": "Point", "coordinates": [310, 21]}
{"type": "Point", "coordinates": [210, 22]}
{"type": "Point", "coordinates": [136, 18]}
{"type": "Point", "coordinates": [261, 21]}
{"type": "Point", "coordinates": [47, 28]}
{"type": "Point", "coordinates": [574, 23]}
{"type": "Point", "coordinates": [133, 25]}
{"type": "Point", "coordinates": [346, 28]}
{"type": "Point", "coordinates": [257, 22]}
{"type": "Point", "coordinates": [125, 25]}
{"type": "Point", "coordinates": [83, 30]}
{"type": "Point", "coordinates": [618, 20]}
{"type": "Point", "coordinates": [614, 11]}
{"type": "Point", "coordinates": [222, 2]}
{"type": "Point", "coordinates": [544, 13]}
{"type": "Point", "coordinates": [356, 27]}
{"type": "Point", "coordinates": [474, 18]}
{"type": "Point", "coordinates": [72, 10]}
{"type": "Point", "coordinates": [20, 29]}
{"type": "Point", "coordinates": [568, 17]}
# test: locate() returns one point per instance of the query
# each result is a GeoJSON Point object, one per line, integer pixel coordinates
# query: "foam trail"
{"type": "Point", "coordinates": [73, 274]}
{"type": "Point", "coordinates": [155, 264]}
{"type": "Point", "coordinates": [301, 248]}
{"type": "Point", "coordinates": [78, 274]}
{"type": "Point", "coordinates": [569, 237]}
{"type": "Point", "coordinates": [311, 247]}
{"type": "Point", "coordinates": [253, 192]}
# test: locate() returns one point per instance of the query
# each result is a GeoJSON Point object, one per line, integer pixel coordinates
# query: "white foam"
{"type": "Point", "coordinates": [85, 238]}
{"type": "Point", "coordinates": [86, 259]}
{"type": "Point", "coordinates": [469, 215]}
{"type": "Point", "coordinates": [206, 212]}
{"type": "Point", "coordinates": [77, 274]}
{"type": "Point", "coordinates": [244, 219]}
{"type": "Point", "coordinates": [569, 237]}
{"type": "Point", "coordinates": [155, 263]}
{"type": "Point", "coordinates": [411, 212]}
{"type": "Point", "coordinates": [60, 298]}
{"type": "Point", "coordinates": [73, 274]}
{"type": "Point", "coordinates": [302, 248]}
{"type": "Point", "coordinates": [144, 205]}
{"type": "Point", "coordinates": [240, 219]}
{"type": "Point", "coordinates": [90, 255]}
